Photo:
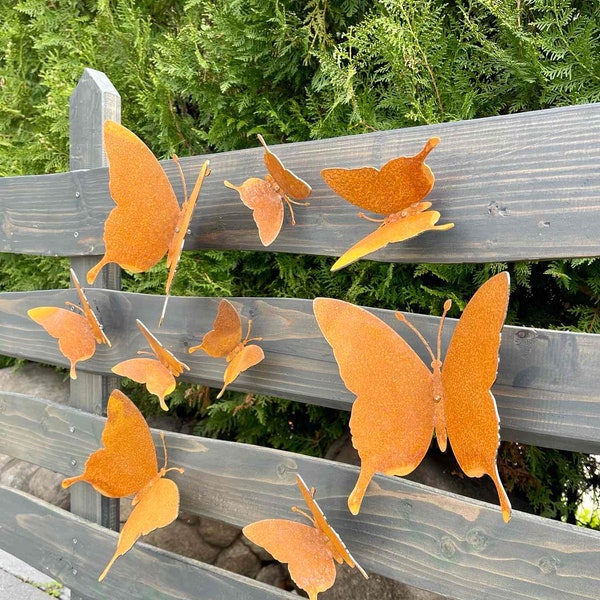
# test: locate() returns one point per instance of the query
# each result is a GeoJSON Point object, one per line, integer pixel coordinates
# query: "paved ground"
{"type": "Point", "coordinates": [19, 581]}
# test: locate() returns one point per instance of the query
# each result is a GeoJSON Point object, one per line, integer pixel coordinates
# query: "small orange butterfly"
{"type": "Point", "coordinates": [225, 341]}
{"type": "Point", "coordinates": [147, 221]}
{"type": "Point", "coordinates": [396, 190]}
{"type": "Point", "coordinates": [127, 464]}
{"type": "Point", "coordinates": [157, 373]}
{"type": "Point", "coordinates": [400, 403]}
{"type": "Point", "coordinates": [266, 196]}
{"type": "Point", "coordinates": [77, 332]}
{"type": "Point", "coordinates": [309, 550]}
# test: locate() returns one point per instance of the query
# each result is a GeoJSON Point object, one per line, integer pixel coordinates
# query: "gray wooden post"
{"type": "Point", "coordinates": [92, 102]}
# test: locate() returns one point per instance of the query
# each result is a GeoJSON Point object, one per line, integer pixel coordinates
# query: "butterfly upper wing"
{"type": "Point", "coordinates": [266, 205]}
{"type": "Point", "coordinates": [127, 462]}
{"type": "Point", "coordinates": [247, 357]}
{"type": "Point", "coordinates": [226, 333]}
{"type": "Point", "coordinates": [291, 184]}
{"type": "Point", "coordinates": [396, 230]}
{"type": "Point", "coordinates": [392, 416]}
{"type": "Point", "coordinates": [167, 359]}
{"type": "Point", "coordinates": [139, 230]}
{"type": "Point", "coordinates": [75, 336]}
{"type": "Point", "coordinates": [157, 505]}
{"type": "Point", "coordinates": [400, 182]}
{"type": "Point", "coordinates": [157, 378]}
{"type": "Point", "coordinates": [468, 372]}
{"type": "Point", "coordinates": [91, 317]}
{"type": "Point", "coordinates": [302, 547]}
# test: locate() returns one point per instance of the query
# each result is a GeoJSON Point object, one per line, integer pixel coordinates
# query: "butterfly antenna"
{"type": "Point", "coordinates": [248, 338]}
{"type": "Point", "coordinates": [363, 216]}
{"type": "Point", "coordinates": [181, 176]}
{"type": "Point", "coordinates": [402, 318]}
{"type": "Point", "coordinates": [164, 469]}
{"type": "Point", "coordinates": [303, 513]}
{"type": "Point", "coordinates": [447, 307]}
{"type": "Point", "coordinates": [75, 306]}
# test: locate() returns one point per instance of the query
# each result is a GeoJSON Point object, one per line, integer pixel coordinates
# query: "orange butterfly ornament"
{"type": "Point", "coordinates": [400, 403]}
{"type": "Point", "coordinates": [397, 190]}
{"type": "Point", "coordinates": [77, 332]}
{"type": "Point", "coordinates": [225, 341]}
{"type": "Point", "coordinates": [127, 464]}
{"type": "Point", "coordinates": [309, 550]}
{"type": "Point", "coordinates": [157, 373]}
{"type": "Point", "coordinates": [266, 196]}
{"type": "Point", "coordinates": [147, 220]}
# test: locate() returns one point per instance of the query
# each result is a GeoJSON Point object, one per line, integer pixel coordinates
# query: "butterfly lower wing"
{"type": "Point", "coordinates": [301, 546]}
{"type": "Point", "coordinates": [398, 230]}
{"type": "Point", "coordinates": [266, 204]}
{"type": "Point", "coordinates": [127, 461]}
{"type": "Point", "coordinates": [138, 231]}
{"type": "Point", "coordinates": [156, 377]}
{"type": "Point", "coordinates": [158, 505]}
{"type": "Point", "coordinates": [226, 333]}
{"type": "Point", "coordinates": [468, 373]}
{"type": "Point", "coordinates": [75, 337]}
{"type": "Point", "coordinates": [247, 357]}
{"type": "Point", "coordinates": [392, 416]}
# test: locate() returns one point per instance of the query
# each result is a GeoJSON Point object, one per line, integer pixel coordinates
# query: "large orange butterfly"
{"type": "Point", "coordinates": [400, 403]}
{"type": "Point", "coordinates": [396, 191]}
{"type": "Point", "coordinates": [266, 196]}
{"type": "Point", "coordinates": [127, 465]}
{"type": "Point", "coordinates": [157, 373]}
{"type": "Point", "coordinates": [147, 220]}
{"type": "Point", "coordinates": [77, 332]}
{"type": "Point", "coordinates": [309, 550]}
{"type": "Point", "coordinates": [225, 341]}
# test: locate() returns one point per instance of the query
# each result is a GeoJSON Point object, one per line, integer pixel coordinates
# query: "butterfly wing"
{"type": "Point", "coordinates": [301, 546]}
{"type": "Point", "coordinates": [396, 230]}
{"type": "Point", "coordinates": [400, 182]}
{"type": "Point", "coordinates": [167, 359]}
{"type": "Point", "coordinates": [468, 372]}
{"type": "Point", "coordinates": [392, 416]}
{"type": "Point", "coordinates": [91, 317]}
{"type": "Point", "coordinates": [157, 506]}
{"type": "Point", "coordinates": [247, 357]}
{"type": "Point", "coordinates": [75, 337]}
{"type": "Point", "coordinates": [127, 461]}
{"type": "Point", "coordinates": [266, 205]}
{"type": "Point", "coordinates": [139, 230]}
{"type": "Point", "coordinates": [226, 333]}
{"type": "Point", "coordinates": [291, 184]}
{"type": "Point", "coordinates": [157, 378]}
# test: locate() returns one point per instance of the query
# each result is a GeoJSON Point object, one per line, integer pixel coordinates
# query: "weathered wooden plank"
{"type": "Point", "coordinates": [518, 187]}
{"type": "Point", "coordinates": [74, 551]}
{"type": "Point", "coordinates": [424, 537]}
{"type": "Point", "coordinates": [547, 390]}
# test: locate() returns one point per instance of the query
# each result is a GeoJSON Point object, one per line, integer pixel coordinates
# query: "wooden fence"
{"type": "Point", "coordinates": [524, 186]}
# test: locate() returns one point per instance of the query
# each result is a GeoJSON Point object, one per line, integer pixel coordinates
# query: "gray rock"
{"type": "Point", "coordinates": [239, 559]}
{"type": "Point", "coordinates": [276, 575]}
{"type": "Point", "coordinates": [218, 533]}
{"type": "Point", "coordinates": [46, 485]}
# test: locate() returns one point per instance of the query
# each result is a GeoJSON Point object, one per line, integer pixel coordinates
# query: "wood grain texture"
{"type": "Point", "coordinates": [422, 536]}
{"type": "Point", "coordinates": [547, 389]}
{"type": "Point", "coordinates": [74, 552]}
{"type": "Point", "coordinates": [517, 187]}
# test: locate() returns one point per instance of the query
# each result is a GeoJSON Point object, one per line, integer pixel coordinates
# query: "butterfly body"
{"type": "Point", "coordinates": [126, 465]}
{"type": "Point", "coordinates": [401, 401]}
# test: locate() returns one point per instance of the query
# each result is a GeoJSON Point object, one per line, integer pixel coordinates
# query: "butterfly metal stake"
{"type": "Point", "coordinates": [400, 403]}
{"type": "Point", "coordinates": [77, 332]}
{"type": "Point", "coordinates": [309, 550]}
{"type": "Point", "coordinates": [127, 464]}
{"type": "Point", "coordinates": [266, 196]}
{"type": "Point", "coordinates": [397, 190]}
{"type": "Point", "coordinates": [225, 341]}
{"type": "Point", "coordinates": [146, 221]}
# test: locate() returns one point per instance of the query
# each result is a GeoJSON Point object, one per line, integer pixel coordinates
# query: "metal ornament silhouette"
{"type": "Point", "coordinates": [266, 196]}
{"type": "Point", "coordinates": [225, 341]}
{"type": "Point", "coordinates": [400, 403]}
{"type": "Point", "coordinates": [309, 550]}
{"type": "Point", "coordinates": [396, 191]}
{"type": "Point", "coordinates": [157, 373]}
{"type": "Point", "coordinates": [127, 464]}
{"type": "Point", "coordinates": [146, 221]}
{"type": "Point", "coordinates": [77, 332]}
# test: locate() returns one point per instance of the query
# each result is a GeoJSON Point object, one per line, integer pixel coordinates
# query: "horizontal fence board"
{"type": "Point", "coordinates": [547, 389]}
{"type": "Point", "coordinates": [517, 187]}
{"type": "Point", "coordinates": [75, 551]}
{"type": "Point", "coordinates": [432, 539]}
